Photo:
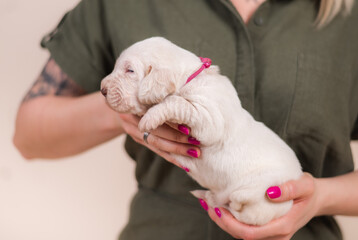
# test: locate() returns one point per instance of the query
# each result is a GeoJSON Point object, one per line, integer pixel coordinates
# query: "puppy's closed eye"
{"type": "Point", "coordinates": [129, 70]}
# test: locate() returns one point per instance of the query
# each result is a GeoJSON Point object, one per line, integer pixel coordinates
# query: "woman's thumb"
{"type": "Point", "coordinates": [292, 189]}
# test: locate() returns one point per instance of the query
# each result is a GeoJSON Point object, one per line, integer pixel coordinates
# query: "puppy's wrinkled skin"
{"type": "Point", "coordinates": [241, 157]}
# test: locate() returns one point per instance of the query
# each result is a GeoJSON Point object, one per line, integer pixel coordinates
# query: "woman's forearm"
{"type": "Point", "coordinates": [54, 127]}
{"type": "Point", "coordinates": [339, 195]}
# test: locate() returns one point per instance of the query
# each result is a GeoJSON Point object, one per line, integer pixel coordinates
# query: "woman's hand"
{"type": "Point", "coordinates": [306, 196]}
{"type": "Point", "coordinates": [166, 139]}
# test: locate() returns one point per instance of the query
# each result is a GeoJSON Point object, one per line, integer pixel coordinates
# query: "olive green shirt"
{"type": "Point", "coordinates": [300, 81]}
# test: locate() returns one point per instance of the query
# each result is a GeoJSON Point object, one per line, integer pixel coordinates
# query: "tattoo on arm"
{"type": "Point", "coordinates": [53, 81]}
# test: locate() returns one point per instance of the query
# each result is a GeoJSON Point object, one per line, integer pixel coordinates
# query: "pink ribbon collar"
{"type": "Point", "coordinates": [206, 64]}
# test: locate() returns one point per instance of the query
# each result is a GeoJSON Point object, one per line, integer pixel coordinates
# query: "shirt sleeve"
{"type": "Point", "coordinates": [81, 45]}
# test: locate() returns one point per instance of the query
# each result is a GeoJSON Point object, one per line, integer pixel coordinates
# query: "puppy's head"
{"type": "Point", "coordinates": [146, 73]}
{"type": "Point", "coordinates": [121, 86]}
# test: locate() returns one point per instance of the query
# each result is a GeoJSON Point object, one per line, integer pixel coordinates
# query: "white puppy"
{"type": "Point", "coordinates": [240, 157]}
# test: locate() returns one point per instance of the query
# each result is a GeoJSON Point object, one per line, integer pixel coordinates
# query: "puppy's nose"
{"type": "Point", "coordinates": [104, 91]}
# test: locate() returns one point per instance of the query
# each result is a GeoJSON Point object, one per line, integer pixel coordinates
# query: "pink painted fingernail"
{"type": "Point", "coordinates": [185, 169]}
{"type": "Point", "coordinates": [193, 141]}
{"type": "Point", "coordinates": [193, 153]}
{"type": "Point", "coordinates": [183, 129]}
{"type": "Point", "coordinates": [217, 211]}
{"type": "Point", "coordinates": [273, 192]}
{"type": "Point", "coordinates": [203, 204]}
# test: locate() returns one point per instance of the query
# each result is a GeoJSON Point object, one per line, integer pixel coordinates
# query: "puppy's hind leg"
{"type": "Point", "coordinates": [173, 109]}
{"type": "Point", "coordinates": [250, 206]}
{"type": "Point", "coordinates": [238, 199]}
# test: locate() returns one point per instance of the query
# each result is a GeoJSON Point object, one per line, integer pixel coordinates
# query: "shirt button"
{"type": "Point", "coordinates": [259, 20]}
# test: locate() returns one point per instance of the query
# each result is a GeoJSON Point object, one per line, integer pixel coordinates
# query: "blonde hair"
{"type": "Point", "coordinates": [328, 9]}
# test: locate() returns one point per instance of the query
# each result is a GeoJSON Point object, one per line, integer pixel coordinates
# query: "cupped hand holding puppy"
{"type": "Point", "coordinates": [166, 139]}
{"type": "Point", "coordinates": [307, 204]}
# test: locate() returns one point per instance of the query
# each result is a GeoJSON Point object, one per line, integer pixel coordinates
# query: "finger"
{"type": "Point", "coordinates": [167, 132]}
{"type": "Point", "coordinates": [130, 125]}
{"type": "Point", "coordinates": [173, 147]}
{"type": "Point", "coordinates": [179, 127]}
{"type": "Point", "coordinates": [163, 154]}
{"type": "Point", "coordinates": [292, 190]}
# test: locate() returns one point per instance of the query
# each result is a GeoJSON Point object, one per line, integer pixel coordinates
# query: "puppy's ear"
{"type": "Point", "coordinates": [156, 85]}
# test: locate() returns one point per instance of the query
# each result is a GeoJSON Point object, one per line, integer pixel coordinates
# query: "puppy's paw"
{"type": "Point", "coordinates": [199, 194]}
{"type": "Point", "coordinates": [152, 119]}
{"type": "Point", "coordinates": [146, 124]}
{"type": "Point", "coordinates": [209, 197]}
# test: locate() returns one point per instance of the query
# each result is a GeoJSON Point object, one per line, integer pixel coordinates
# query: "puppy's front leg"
{"type": "Point", "coordinates": [173, 109]}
